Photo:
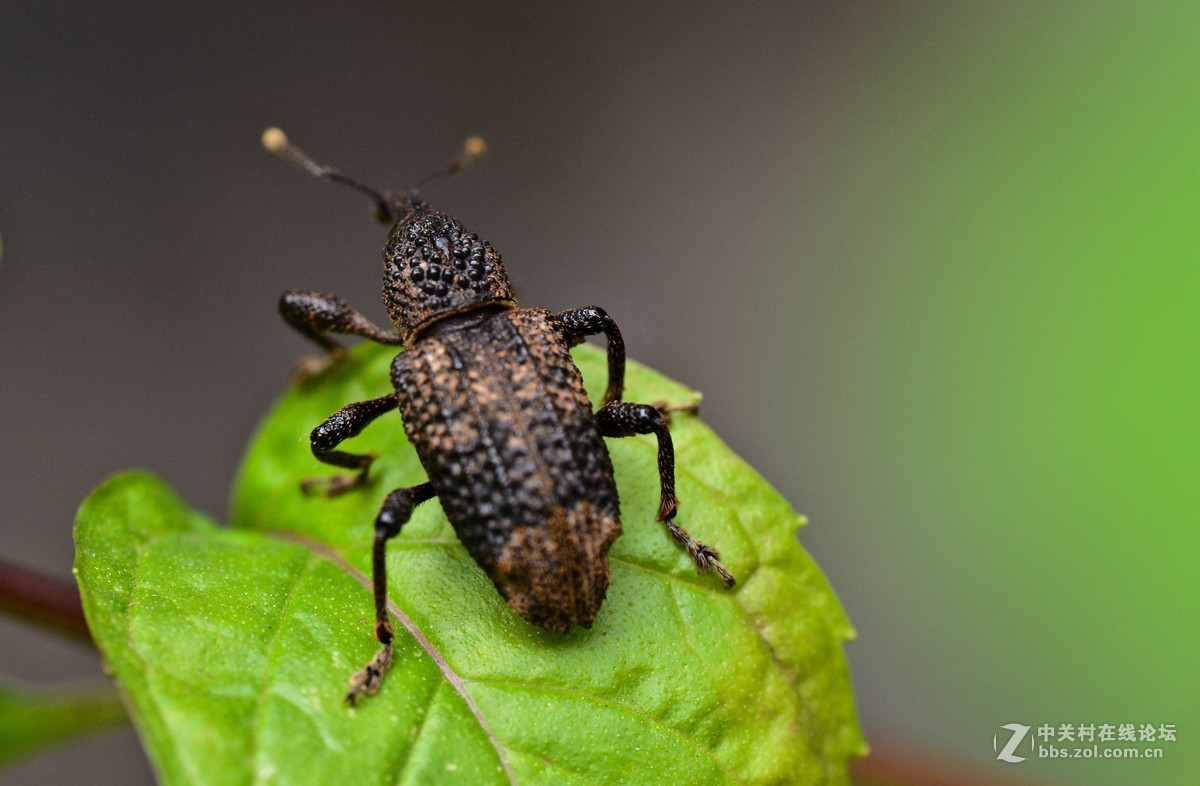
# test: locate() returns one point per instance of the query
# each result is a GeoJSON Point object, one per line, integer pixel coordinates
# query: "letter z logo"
{"type": "Point", "coordinates": [1018, 734]}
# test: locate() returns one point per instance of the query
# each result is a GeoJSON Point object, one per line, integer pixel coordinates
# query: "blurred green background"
{"type": "Point", "coordinates": [1010, 395]}
{"type": "Point", "coordinates": [935, 266]}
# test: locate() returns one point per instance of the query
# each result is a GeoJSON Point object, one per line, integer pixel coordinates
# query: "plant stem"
{"type": "Point", "coordinates": [44, 601]}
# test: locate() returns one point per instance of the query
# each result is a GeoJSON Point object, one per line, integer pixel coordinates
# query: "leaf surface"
{"type": "Point", "coordinates": [234, 646]}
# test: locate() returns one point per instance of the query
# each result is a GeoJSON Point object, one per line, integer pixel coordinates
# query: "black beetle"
{"type": "Point", "coordinates": [496, 409]}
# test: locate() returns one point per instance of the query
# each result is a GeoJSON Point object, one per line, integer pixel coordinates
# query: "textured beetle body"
{"type": "Point", "coordinates": [497, 411]}
{"type": "Point", "coordinates": [499, 417]}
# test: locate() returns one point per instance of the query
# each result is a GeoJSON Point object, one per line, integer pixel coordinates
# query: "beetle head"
{"type": "Point", "coordinates": [433, 267]}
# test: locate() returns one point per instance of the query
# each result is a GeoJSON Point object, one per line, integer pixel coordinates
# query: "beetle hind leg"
{"type": "Point", "coordinates": [395, 512]}
{"type": "Point", "coordinates": [625, 419]}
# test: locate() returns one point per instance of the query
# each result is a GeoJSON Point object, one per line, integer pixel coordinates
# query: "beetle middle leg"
{"type": "Point", "coordinates": [578, 323]}
{"type": "Point", "coordinates": [347, 422]}
{"type": "Point", "coordinates": [625, 419]}
{"type": "Point", "coordinates": [317, 314]}
{"type": "Point", "coordinates": [395, 512]}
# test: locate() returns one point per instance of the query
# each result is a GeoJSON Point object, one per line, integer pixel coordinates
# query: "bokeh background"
{"type": "Point", "coordinates": [935, 266]}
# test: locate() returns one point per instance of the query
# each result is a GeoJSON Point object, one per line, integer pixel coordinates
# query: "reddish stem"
{"type": "Point", "coordinates": [897, 764]}
{"type": "Point", "coordinates": [47, 602]}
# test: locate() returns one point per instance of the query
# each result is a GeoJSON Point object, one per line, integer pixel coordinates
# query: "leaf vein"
{"type": "Point", "coordinates": [629, 708]}
{"type": "Point", "coordinates": [261, 702]}
{"type": "Point", "coordinates": [450, 675]}
{"type": "Point", "coordinates": [576, 774]}
{"type": "Point", "coordinates": [408, 758]}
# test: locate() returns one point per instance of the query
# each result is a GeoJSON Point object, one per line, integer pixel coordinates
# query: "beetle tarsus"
{"type": "Point", "coordinates": [367, 680]}
{"type": "Point", "coordinates": [706, 557]}
{"type": "Point", "coordinates": [666, 410]}
{"type": "Point", "coordinates": [334, 485]}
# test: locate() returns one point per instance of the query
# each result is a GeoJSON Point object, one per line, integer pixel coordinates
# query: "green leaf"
{"type": "Point", "coordinates": [33, 719]}
{"type": "Point", "coordinates": [235, 645]}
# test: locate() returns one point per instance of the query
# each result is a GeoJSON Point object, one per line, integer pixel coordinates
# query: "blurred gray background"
{"type": "Point", "coordinates": [657, 161]}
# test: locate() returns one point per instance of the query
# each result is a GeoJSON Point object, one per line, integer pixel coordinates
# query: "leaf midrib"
{"type": "Point", "coordinates": [321, 550]}
{"type": "Point", "coordinates": [460, 684]}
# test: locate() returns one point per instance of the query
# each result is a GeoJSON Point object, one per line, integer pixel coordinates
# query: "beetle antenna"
{"type": "Point", "coordinates": [274, 140]}
{"type": "Point", "coordinates": [474, 148]}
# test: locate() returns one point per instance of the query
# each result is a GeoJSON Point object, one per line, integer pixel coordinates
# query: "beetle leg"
{"type": "Point", "coordinates": [666, 409]}
{"type": "Point", "coordinates": [624, 419]}
{"type": "Point", "coordinates": [395, 512]}
{"type": "Point", "coordinates": [316, 314]}
{"type": "Point", "coordinates": [347, 422]}
{"type": "Point", "coordinates": [578, 323]}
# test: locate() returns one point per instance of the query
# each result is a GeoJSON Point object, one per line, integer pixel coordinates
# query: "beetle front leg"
{"type": "Point", "coordinates": [347, 422]}
{"type": "Point", "coordinates": [578, 323]}
{"type": "Point", "coordinates": [624, 419]}
{"type": "Point", "coordinates": [397, 509]}
{"type": "Point", "coordinates": [316, 314]}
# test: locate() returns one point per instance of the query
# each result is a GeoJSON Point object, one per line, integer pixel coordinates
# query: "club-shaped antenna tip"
{"type": "Point", "coordinates": [275, 140]}
{"type": "Point", "coordinates": [474, 147]}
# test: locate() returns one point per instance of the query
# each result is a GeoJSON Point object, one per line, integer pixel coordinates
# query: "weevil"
{"type": "Point", "coordinates": [497, 412]}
